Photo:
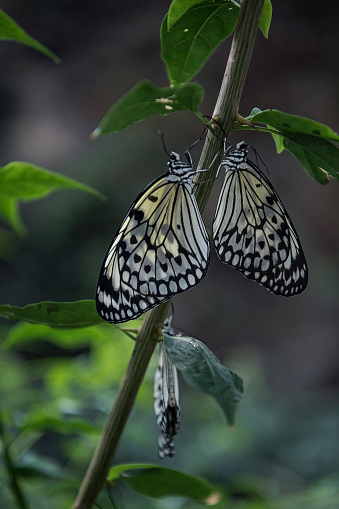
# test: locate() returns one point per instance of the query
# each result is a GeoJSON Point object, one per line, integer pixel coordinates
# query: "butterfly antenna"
{"type": "Point", "coordinates": [161, 136]}
{"type": "Point", "coordinates": [259, 158]}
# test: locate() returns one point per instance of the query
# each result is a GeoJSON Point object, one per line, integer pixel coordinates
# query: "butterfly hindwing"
{"type": "Point", "coordinates": [161, 248]}
{"type": "Point", "coordinates": [252, 230]}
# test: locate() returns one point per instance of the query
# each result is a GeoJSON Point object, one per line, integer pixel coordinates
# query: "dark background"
{"type": "Point", "coordinates": [48, 111]}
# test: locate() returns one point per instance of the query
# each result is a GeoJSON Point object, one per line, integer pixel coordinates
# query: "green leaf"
{"type": "Point", "coordinates": [81, 313]}
{"type": "Point", "coordinates": [144, 99]}
{"type": "Point", "coordinates": [177, 10]}
{"type": "Point", "coordinates": [10, 31]}
{"type": "Point", "coordinates": [28, 334]}
{"type": "Point", "coordinates": [9, 210]}
{"type": "Point", "coordinates": [306, 139]}
{"type": "Point", "coordinates": [117, 471]}
{"type": "Point", "coordinates": [266, 18]}
{"type": "Point", "coordinates": [188, 43]}
{"type": "Point", "coordinates": [287, 124]}
{"type": "Point", "coordinates": [204, 373]}
{"type": "Point", "coordinates": [316, 155]}
{"type": "Point", "coordinates": [21, 181]}
{"type": "Point", "coordinates": [157, 482]}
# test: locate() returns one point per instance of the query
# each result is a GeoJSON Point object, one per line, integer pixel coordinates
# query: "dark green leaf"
{"type": "Point", "coordinates": [204, 373]}
{"type": "Point", "coordinates": [287, 124]}
{"type": "Point", "coordinates": [178, 9]}
{"type": "Point", "coordinates": [306, 139]}
{"type": "Point", "coordinates": [144, 100]}
{"type": "Point", "coordinates": [162, 482]}
{"type": "Point", "coordinates": [21, 181]}
{"type": "Point", "coordinates": [316, 155]}
{"type": "Point", "coordinates": [81, 313]}
{"type": "Point", "coordinates": [266, 17]}
{"type": "Point", "coordinates": [188, 43]}
{"type": "Point", "coordinates": [10, 31]}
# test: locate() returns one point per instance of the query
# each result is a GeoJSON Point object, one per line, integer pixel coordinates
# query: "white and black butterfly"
{"type": "Point", "coordinates": [252, 230]}
{"type": "Point", "coordinates": [161, 248]}
{"type": "Point", "coordinates": [166, 401]}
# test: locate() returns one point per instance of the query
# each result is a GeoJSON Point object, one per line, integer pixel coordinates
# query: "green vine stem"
{"type": "Point", "coordinates": [226, 109]}
{"type": "Point", "coordinates": [11, 471]}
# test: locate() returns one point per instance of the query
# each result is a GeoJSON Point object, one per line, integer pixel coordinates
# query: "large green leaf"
{"type": "Point", "coordinates": [10, 31]}
{"type": "Point", "coordinates": [306, 139]}
{"type": "Point", "coordinates": [187, 44]}
{"type": "Point", "coordinates": [144, 99]}
{"type": "Point", "coordinates": [204, 373]}
{"type": "Point", "coordinates": [21, 181]}
{"type": "Point", "coordinates": [157, 482]}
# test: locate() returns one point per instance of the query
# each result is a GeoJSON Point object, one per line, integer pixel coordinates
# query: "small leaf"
{"type": "Point", "coordinates": [21, 181]}
{"type": "Point", "coordinates": [189, 42]}
{"type": "Point", "coordinates": [81, 313]}
{"type": "Point", "coordinates": [10, 31]}
{"type": "Point", "coordinates": [156, 482]}
{"type": "Point", "coordinates": [266, 18]}
{"type": "Point", "coordinates": [144, 100]}
{"type": "Point", "coordinates": [204, 373]}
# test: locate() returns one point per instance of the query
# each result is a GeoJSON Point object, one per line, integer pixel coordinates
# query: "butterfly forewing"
{"type": "Point", "coordinates": [161, 249]}
{"type": "Point", "coordinates": [252, 230]}
{"type": "Point", "coordinates": [166, 403]}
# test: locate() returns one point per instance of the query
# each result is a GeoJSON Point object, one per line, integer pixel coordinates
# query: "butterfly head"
{"type": "Point", "coordinates": [174, 157]}
{"type": "Point", "coordinates": [175, 164]}
{"type": "Point", "coordinates": [241, 146]}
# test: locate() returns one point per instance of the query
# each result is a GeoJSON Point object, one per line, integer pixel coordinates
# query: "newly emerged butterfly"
{"type": "Point", "coordinates": [161, 247]}
{"type": "Point", "coordinates": [252, 230]}
{"type": "Point", "coordinates": [166, 403]}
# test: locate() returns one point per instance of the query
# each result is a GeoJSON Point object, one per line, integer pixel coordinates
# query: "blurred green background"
{"type": "Point", "coordinates": [286, 448]}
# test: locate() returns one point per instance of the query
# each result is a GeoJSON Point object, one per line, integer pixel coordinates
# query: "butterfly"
{"type": "Point", "coordinates": [252, 230]}
{"type": "Point", "coordinates": [166, 403]}
{"type": "Point", "coordinates": [161, 247]}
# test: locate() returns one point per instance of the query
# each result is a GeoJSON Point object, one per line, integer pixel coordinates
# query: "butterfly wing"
{"type": "Point", "coordinates": [161, 249]}
{"type": "Point", "coordinates": [253, 232]}
{"type": "Point", "coordinates": [166, 404]}
{"type": "Point", "coordinates": [288, 278]}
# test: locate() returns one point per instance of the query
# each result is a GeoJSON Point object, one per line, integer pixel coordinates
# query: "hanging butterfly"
{"type": "Point", "coordinates": [161, 248]}
{"type": "Point", "coordinates": [252, 230]}
{"type": "Point", "coordinates": [166, 400]}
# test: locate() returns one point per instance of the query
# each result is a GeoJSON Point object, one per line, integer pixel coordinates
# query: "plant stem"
{"type": "Point", "coordinates": [145, 343]}
{"type": "Point", "coordinates": [230, 93]}
{"type": "Point", "coordinates": [226, 108]}
{"type": "Point", "coordinates": [14, 485]}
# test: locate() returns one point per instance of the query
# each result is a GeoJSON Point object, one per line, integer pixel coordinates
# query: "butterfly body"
{"type": "Point", "coordinates": [166, 404]}
{"type": "Point", "coordinates": [161, 248]}
{"type": "Point", "coordinates": [252, 230]}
